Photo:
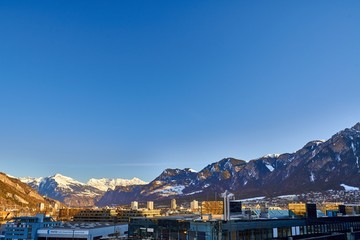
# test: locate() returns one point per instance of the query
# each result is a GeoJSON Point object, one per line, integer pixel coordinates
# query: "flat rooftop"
{"type": "Point", "coordinates": [85, 225]}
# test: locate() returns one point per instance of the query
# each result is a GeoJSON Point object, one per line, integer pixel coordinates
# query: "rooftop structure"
{"type": "Point", "coordinates": [26, 227]}
{"type": "Point", "coordinates": [83, 230]}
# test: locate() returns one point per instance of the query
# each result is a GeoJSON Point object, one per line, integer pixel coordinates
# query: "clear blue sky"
{"type": "Point", "coordinates": [128, 88]}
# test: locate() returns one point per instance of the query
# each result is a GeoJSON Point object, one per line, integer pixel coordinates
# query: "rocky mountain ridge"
{"type": "Point", "coordinates": [15, 194]}
{"type": "Point", "coordinates": [318, 166]}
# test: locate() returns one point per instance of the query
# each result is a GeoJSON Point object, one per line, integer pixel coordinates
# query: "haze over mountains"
{"type": "Point", "coordinates": [318, 166]}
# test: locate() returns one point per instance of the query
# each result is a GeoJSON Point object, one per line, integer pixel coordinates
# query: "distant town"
{"type": "Point", "coordinates": [313, 215]}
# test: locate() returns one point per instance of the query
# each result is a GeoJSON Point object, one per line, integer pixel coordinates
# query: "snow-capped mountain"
{"type": "Point", "coordinates": [73, 192]}
{"type": "Point", "coordinates": [65, 189]}
{"type": "Point", "coordinates": [104, 184]}
{"type": "Point", "coordinates": [31, 181]}
{"type": "Point", "coordinates": [318, 166]}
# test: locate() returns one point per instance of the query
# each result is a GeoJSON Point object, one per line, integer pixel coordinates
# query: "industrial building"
{"type": "Point", "coordinates": [112, 215]}
{"type": "Point", "coordinates": [83, 231]}
{"type": "Point", "coordinates": [96, 215]}
{"type": "Point", "coordinates": [328, 209]}
{"type": "Point", "coordinates": [2, 232]}
{"type": "Point", "coordinates": [42, 227]}
{"type": "Point", "coordinates": [191, 228]}
{"type": "Point", "coordinates": [212, 207]}
{"type": "Point", "coordinates": [173, 204]}
{"type": "Point", "coordinates": [240, 223]}
{"type": "Point", "coordinates": [68, 214]}
{"type": "Point", "coordinates": [124, 215]}
{"type": "Point", "coordinates": [26, 227]}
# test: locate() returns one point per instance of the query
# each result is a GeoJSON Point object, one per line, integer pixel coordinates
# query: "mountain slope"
{"type": "Point", "coordinates": [325, 165]}
{"type": "Point", "coordinates": [318, 166]}
{"type": "Point", "coordinates": [65, 189]}
{"type": "Point", "coordinates": [16, 194]}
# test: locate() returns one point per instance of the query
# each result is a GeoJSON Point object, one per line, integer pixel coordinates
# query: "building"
{"type": "Point", "coordinates": [150, 205]}
{"type": "Point", "coordinates": [304, 209]}
{"type": "Point", "coordinates": [26, 227]}
{"type": "Point", "coordinates": [134, 205]}
{"type": "Point", "coordinates": [308, 210]}
{"type": "Point", "coordinates": [96, 215]}
{"type": "Point", "coordinates": [173, 205]}
{"type": "Point", "coordinates": [212, 207]}
{"type": "Point", "coordinates": [194, 206]}
{"type": "Point", "coordinates": [327, 207]}
{"type": "Point", "coordinates": [41, 207]}
{"type": "Point", "coordinates": [67, 214]}
{"type": "Point", "coordinates": [298, 208]}
{"type": "Point", "coordinates": [2, 232]}
{"type": "Point", "coordinates": [83, 231]}
{"type": "Point", "coordinates": [349, 209]}
{"type": "Point", "coordinates": [124, 215]}
{"type": "Point", "coordinates": [272, 214]}
{"type": "Point", "coordinates": [193, 227]}
{"type": "Point", "coordinates": [170, 227]}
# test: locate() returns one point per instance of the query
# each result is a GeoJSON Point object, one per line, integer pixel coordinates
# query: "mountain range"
{"type": "Point", "coordinates": [74, 193]}
{"type": "Point", "coordinates": [318, 166]}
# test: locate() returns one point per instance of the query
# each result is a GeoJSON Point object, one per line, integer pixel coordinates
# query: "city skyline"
{"type": "Point", "coordinates": [127, 89]}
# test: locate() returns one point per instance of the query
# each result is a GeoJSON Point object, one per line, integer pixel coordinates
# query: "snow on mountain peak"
{"type": "Point", "coordinates": [34, 182]}
{"type": "Point", "coordinates": [104, 183]}
{"type": "Point", "coordinates": [64, 181]}
{"type": "Point", "coordinates": [273, 155]}
{"type": "Point", "coordinates": [317, 142]}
